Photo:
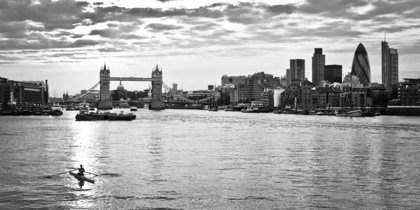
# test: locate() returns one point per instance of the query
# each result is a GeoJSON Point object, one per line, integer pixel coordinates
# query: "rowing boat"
{"type": "Point", "coordinates": [82, 178]}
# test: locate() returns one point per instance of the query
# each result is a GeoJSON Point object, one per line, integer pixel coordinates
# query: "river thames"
{"type": "Point", "coordinates": [193, 159]}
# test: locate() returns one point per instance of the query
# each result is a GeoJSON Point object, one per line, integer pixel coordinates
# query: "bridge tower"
{"type": "Point", "coordinates": [157, 77]}
{"type": "Point", "coordinates": [105, 101]}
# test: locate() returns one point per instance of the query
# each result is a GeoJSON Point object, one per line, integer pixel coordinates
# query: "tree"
{"type": "Point", "coordinates": [381, 99]}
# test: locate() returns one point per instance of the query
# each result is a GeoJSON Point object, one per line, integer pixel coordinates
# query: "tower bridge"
{"type": "Point", "coordinates": [157, 102]}
{"type": "Point", "coordinates": [105, 102]}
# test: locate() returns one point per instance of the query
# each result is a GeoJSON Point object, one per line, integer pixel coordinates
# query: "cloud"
{"type": "Point", "coordinates": [396, 28]}
{"type": "Point", "coordinates": [164, 1]}
{"type": "Point", "coordinates": [156, 27]}
{"type": "Point", "coordinates": [61, 14]}
{"type": "Point", "coordinates": [281, 9]}
{"type": "Point", "coordinates": [108, 33]}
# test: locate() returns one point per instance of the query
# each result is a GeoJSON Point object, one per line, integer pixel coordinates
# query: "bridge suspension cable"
{"type": "Point", "coordinates": [84, 94]}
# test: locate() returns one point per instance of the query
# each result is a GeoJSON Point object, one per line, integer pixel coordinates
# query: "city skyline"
{"type": "Point", "coordinates": [196, 43]}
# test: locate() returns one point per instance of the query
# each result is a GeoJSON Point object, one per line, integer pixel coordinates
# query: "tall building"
{"type": "Point", "coordinates": [333, 73]}
{"type": "Point", "coordinates": [256, 84]}
{"type": "Point", "coordinates": [389, 65]}
{"type": "Point", "coordinates": [297, 69]}
{"type": "Point", "coordinates": [288, 77]}
{"type": "Point", "coordinates": [318, 64]}
{"type": "Point", "coordinates": [236, 80]}
{"type": "Point", "coordinates": [361, 66]}
{"type": "Point", "coordinates": [174, 86]}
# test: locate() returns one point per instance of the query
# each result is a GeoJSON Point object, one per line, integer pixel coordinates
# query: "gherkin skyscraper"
{"type": "Point", "coordinates": [361, 66]}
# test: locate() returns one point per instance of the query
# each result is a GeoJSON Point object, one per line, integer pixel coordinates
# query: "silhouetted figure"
{"type": "Point", "coordinates": [81, 171]}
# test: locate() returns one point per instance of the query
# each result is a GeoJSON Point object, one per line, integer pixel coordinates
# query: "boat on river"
{"type": "Point", "coordinates": [81, 178]}
{"type": "Point", "coordinates": [85, 115]}
{"type": "Point", "coordinates": [56, 109]}
{"type": "Point", "coordinates": [351, 113]}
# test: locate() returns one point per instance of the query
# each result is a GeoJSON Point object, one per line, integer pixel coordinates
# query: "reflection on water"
{"type": "Point", "coordinates": [204, 160]}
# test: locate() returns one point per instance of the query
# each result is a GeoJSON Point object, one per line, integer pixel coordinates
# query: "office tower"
{"type": "Point", "coordinates": [361, 66]}
{"type": "Point", "coordinates": [318, 63]}
{"type": "Point", "coordinates": [333, 73]}
{"type": "Point", "coordinates": [288, 77]}
{"type": "Point", "coordinates": [297, 69]}
{"type": "Point", "coordinates": [236, 80]}
{"type": "Point", "coordinates": [389, 65]}
{"type": "Point", "coordinates": [174, 86]}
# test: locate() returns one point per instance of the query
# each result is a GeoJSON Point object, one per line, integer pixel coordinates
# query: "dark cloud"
{"type": "Point", "coordinates": [379, 10]}
{"type": "Point", "coordinates": [9, 58]}
{"type": "Point", "coordinates": [162, 27]}
{"type": "Point", "coordinates": [396, 28]}
{"type": "Point", "coordinates": [45, 43]}
{"type": "Point", "coordinates": [108, 33]}
{"type": "Point", "coordinates": [205, 26]}
{"type": "Point", "coordinates": [164, 1]}
{"type": "Point", "coordinates": [61, 14]}
{"type": "Point", "coordinates": [281, 9]}
{"type": "Point", "coordinates": [13, 29]}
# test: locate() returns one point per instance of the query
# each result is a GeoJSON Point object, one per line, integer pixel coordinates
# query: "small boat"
{"type": "Point", "coordinates": [70, 108]}
{"type": "Point", "coordinates": [6, 112]}
{"type": "Point", "coordinates": [354, 113]}
{"type": "Point", "coordinates": [133, 108]}
{"type": "Point", "coordinates": [82, 178]}
{"type": "Point", "coordinates": [26, 112]}
{"type": "Point", "coordinates": [56, 109]}
{"type": "Point", "coordinates": [229, 109]}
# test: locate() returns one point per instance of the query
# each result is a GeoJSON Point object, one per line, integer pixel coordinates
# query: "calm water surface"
{"type": "Point", "coordinates": [192, 159]}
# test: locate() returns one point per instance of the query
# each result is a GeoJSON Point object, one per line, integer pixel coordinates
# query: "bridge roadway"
{"type": "Point", "coordinates": [130, 79]}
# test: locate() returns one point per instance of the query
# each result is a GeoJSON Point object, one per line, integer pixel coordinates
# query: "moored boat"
{"type": "Point", "coordinates": [352, 113]}
{"type": "Point", "coordinates": [26, 112]}
{"type": "Point", "coordinates": [56, 110]}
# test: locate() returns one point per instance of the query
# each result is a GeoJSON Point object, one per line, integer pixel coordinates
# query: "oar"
{"type": "Point", "coordinates": [92, 173]}
{"type": "Point", "coordinates": [59, 174]}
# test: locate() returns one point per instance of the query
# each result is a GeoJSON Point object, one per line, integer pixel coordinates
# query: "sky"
{"type": "Point", "coordinates": [196, 42]}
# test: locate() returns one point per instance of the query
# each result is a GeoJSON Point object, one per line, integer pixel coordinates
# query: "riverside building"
{"type": "Point", "coordinates": [318, 65]}
{"type": "Point", "coordinates": [333, 73]}
{"type": "Point", "coordinates": [256, 84]}
{"type": "Point", "coordinates": [361, 66]}
{"type": "Point", "coordinates": [23, 92]}
{"type": "Point", "coordinates": [297, 69]}
{"type": "Point", "coordinates": [389, 65]}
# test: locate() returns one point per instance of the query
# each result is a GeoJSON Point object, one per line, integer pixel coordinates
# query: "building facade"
{"type": "Point", "coordinates": [174, 86]}
{"type": "Point", "coordinates": [333, 73]}
{"type": "Point", "coordinates": [389, 65]}
{"type": "Point", "coordinates": [23, 92]}
{"type": "Point", "coordinates": [360, 66]}
{"type": "Point", "coordinates": [318, 64]}
{"type": "Point", "coordinates": [256, 84]}
{"type": "Point", "coordinates": [297, 69]}
{"type": "Point", "coordinates": [409, 92]}
{"type": "Point", "coordinates": [288, 77]}
{"type": "Point", "coordinates": [236, 80]}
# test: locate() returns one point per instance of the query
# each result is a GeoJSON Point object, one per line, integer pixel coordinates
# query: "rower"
{"type": "Point", "coordinates": [81, 171]}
